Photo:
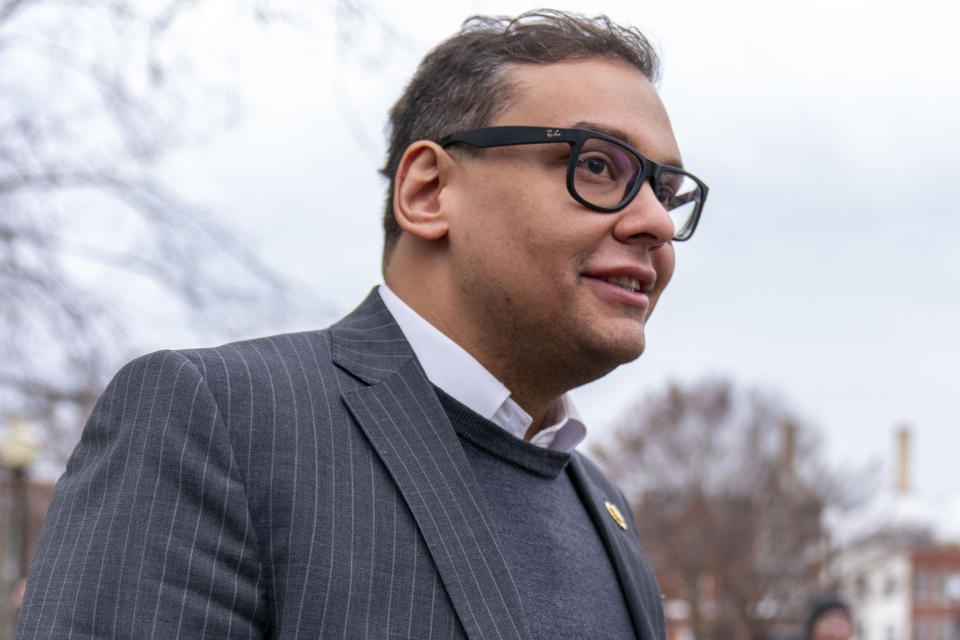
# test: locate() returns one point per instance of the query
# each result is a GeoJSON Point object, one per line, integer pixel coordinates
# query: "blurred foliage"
{"type": "Point", "coordinates": [730, 490]}
{"type": "Point", "coordinates": [93, 94]}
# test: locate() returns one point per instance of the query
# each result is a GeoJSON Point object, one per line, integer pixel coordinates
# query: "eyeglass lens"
{"type": "Point", "coordinates": [606, 173]}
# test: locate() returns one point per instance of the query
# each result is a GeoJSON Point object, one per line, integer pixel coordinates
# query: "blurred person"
{"type": "Point", "coordinates": [410, 471]}
{"type": "Point", "coordinates": [16, 595]}
{"type": "Point", "coordinates": [829, 619]}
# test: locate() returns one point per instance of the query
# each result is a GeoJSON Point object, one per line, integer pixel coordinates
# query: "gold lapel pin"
{"type": "Point", "coordinates": [616, 515]}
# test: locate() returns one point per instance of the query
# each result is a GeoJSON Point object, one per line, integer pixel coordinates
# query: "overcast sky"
{"type": "Point", "coordinates": [824, 269]}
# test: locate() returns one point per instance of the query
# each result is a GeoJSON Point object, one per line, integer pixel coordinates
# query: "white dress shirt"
{"type": "Point", "coordinates": [452, 369]}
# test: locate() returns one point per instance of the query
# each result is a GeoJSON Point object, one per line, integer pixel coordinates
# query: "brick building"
{"type": "Point", "coordinates": [902, 595]}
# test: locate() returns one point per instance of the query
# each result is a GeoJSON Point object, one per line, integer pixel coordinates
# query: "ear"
{"type": "Point", "coordinates": [421, 177]}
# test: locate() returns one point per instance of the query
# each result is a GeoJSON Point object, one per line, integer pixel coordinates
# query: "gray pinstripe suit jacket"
{"type": "Point", "coordinates": [298, 486]}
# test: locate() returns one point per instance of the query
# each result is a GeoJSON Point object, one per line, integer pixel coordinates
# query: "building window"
{"type": "Point", "coordinates": [920, 587]}
{"type": "Point", "coordinates": [889, 585]}
{"type": "Point", "coordinates": [953, 587]}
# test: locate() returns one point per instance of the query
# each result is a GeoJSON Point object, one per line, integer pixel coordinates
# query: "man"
{"type": "Point", "coordinates": [409, 472]}
{"type": "Point", "coordinates": [829, 619]}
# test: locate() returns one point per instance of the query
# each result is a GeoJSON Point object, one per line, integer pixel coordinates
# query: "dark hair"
{"type": "Point", "coordinates": [460, 85]}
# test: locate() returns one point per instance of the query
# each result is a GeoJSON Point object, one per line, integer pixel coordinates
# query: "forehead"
{"type": "Point", "coordinates": [610, 94]}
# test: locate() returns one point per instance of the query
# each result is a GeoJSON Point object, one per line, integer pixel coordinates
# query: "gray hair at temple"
{"type": "Point", "coordinates": [460, 85]}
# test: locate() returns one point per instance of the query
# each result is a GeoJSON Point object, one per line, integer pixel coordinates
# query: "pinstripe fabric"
{"type": "Point", "coordinates": [298, 486]}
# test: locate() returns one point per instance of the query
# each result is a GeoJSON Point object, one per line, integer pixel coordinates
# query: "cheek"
{"type": "Point", "coordinates": [664, 261]}
{"type": "Point", "coordinates": [511, 230]}
{"type": "Point", "coordinates": [553, 254]}
{"type": "Point", "coordinates": [524, 238]}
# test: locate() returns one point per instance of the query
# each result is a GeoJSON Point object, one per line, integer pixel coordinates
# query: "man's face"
{"type": "Point", "coordinates": [534, 267]}
{"type": "Point", "coordinates": [833, 625]}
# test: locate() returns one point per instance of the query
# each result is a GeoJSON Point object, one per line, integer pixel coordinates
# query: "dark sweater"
{"type": "Point", "coordinates": [563, 574]}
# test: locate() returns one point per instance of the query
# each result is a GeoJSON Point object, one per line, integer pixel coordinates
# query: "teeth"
{"type": "Point", "coordinates": [627, 283]}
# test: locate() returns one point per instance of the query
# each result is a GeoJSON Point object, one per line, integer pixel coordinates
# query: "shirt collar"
{"type": "Point", "coordinates": [461, 376]}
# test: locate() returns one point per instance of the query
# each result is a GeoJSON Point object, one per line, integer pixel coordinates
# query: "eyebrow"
{"type": "Point", "coordinates": [620, 134]}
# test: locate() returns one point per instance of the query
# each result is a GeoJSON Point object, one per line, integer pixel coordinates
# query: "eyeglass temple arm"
{"type": "Point", "coordinates": [506, 136]}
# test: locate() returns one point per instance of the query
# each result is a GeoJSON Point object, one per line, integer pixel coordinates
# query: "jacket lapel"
{"type": "Point", "coordinates": [401, 416]}
{"type": "Point", "coordinates": [636, 578]}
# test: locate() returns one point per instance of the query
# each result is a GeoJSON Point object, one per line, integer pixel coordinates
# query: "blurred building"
{"type": "Point", "coordinates": [38, 499]}
{"type": "Point", "coordinates": [901, 594]}
{"type": "Point", "coordinates": [902, 579]}
{"type": "Point", "coordinates": [900, 507]}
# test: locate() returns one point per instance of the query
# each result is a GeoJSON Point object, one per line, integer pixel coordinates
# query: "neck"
{"type": "Point", "coordinates": [535, 379]}
{"type": "Point", "coordinates": [539, 403]}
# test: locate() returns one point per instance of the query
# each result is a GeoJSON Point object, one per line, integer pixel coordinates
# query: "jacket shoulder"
{"type": "Point", "coordinates": [258, 359]}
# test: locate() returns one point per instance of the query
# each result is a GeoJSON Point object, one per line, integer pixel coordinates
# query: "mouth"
{"type": "Point", "coordinates": [630, 285]}
{"type": "Point", "coordinates": [624, 282]}
{"type": "Point", "coordinates": [621, 290]}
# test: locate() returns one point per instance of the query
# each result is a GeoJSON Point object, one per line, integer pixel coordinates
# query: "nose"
{"type": "Point", "coordinates": [644, 220]}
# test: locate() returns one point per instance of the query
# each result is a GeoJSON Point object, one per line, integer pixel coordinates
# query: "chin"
{"type": "Point", "coordinates": [609, 354]}
{"type": "Point", "coordinates": [629, 354]}
{"type": "Point", "coordinates": [626, 342]}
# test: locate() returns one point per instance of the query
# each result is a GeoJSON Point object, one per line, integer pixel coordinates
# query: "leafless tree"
{"type": "Point", "coordinates": [93, 93]}
{"type": "Point", "coordinates": [729, 489]}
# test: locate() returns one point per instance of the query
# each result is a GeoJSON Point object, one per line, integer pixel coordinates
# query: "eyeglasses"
{"type": "Point", "coordinates": [605, 173]}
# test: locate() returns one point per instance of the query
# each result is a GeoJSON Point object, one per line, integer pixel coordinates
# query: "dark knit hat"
{"type": "Point", "coordinates": [823, 605]}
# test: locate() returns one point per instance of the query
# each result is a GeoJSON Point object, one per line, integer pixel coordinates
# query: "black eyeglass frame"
{"type": "Point", "coordinates": [649, 170]}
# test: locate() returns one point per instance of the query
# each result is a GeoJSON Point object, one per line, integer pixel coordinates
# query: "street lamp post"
{"type": "Point", "coordinates": [18, 448]}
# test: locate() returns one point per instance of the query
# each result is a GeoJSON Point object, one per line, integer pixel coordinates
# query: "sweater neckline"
{"type": "Point", "coordinates": [496, 441]}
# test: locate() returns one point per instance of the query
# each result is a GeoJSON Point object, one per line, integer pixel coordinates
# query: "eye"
{"type": "Point", "coordinates": [595, 165]}
{"type": "Point", "coordinates": [598, 167]}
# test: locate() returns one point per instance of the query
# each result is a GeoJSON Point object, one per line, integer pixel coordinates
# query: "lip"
{"type": "Point", "coordinates": [618, 295]}
{"type": "Point", "coordinates": [644, 275]}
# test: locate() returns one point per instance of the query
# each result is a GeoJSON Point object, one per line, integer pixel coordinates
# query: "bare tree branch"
{"type": "Point", "coordinates": [8, 8]}
{"type": "Point", "coordinates": [729, 490]}
{"type": "Point", "coordinates": [94, 94]}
